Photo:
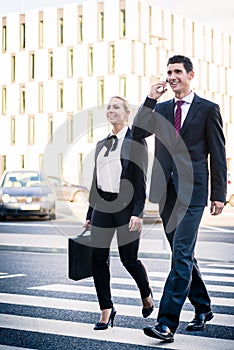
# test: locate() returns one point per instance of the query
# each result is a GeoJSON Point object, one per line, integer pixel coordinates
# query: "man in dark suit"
{"type": "Point", "coordinates": [188, 134]}
{"type": "Point", "coordinates": [117, 199]}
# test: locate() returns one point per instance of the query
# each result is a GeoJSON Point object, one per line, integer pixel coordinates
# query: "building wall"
{"type": "Point", "coordinates": [60, 137]}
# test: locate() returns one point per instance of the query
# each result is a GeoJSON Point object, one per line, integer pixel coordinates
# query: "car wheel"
{"type": "Point", "coordinates": [3, 218]}
{"type": "Point", "coordinates": [53, 216]}
{"type": "Point", "coordinates": [231, 200]}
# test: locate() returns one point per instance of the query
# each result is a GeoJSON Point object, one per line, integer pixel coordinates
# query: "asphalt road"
{"type": "Point", "coordinates": [40, 308]}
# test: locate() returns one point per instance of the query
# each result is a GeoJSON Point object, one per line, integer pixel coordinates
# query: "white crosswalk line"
{"type": "Point", "coordinates": [122, 293]}
{"type": "Point", "coordinates": [218, 271]}
{"type": "Point", "coordinates": [214, 228]}
{"type": "Point", "coordinates": [89, 306]}
{"type": "Point", "coordinates": [6, 347]}
{"type": "Point", "coordinates": [12, 276]}
{"type": "Point", "coordinates": [205, 277]}
{"type": "Point", "coordinates": [218, 265]}
{"type": "Point", "coordinates": [115, 334]}
{"type": "Point", "coordinates": [160, 284]}
{"type": "Point", "coordinates": [134, 337]}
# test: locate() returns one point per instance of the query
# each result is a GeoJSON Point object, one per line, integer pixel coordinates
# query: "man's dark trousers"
{"type": "Point", "coordinates": [181, 227]}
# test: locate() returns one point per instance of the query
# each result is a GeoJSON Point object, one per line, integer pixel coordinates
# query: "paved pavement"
{"type": "Point", "coordinates": [149, 248]}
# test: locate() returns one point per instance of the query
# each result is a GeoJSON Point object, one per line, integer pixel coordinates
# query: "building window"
{"type": "Point", "coordinates": [13, 68]}
{"type": "Point", "coordinates": [60, 26]}
{"type": "Point", "coordinates": [122, 86]}
{"type": "Point", "coordinates": [60, 96]}
{"type": "Point", "coordinates": [22, 99]}
{"type": "Point", "coordinates": [173, 31]}
{"type": "Point", "coordinates": [31, 66]}
{"type": "Point", "coordinates": [80, 163]}
{"type": "Point", "coordinates": [100, 21]}
{"type": "Point", "coordinates": [70, 63]}
{"type": "Point", "coordinates": [60, 163]}
{"type": "Point", "coordinates": [230, 43]}
{"type": "Point", "coordinates": [111, 58]}
{"type": "Point", "coordinates": [40, 160]}
{"type": "Point", "coordinates": [2, 163]}
{"type": "Point", "coordinates": [80, 94]}
{"type": "Point", "coordinates": [231, 103]}
{"type": "Point", "coordinates": [41, 30]}
{"type": "Point", "coordinates": [40, 98]}
{"type": "Point", "coordinates": [122, 19]}
{"type": "Point", "coordinates": [4, 35]}
{"type": "Point", "coordinates": [22, 161]}
{"type": "Point", "coordinates": [90, 127]}
{"type": "Point", "coordinates": [51, 64]}
{"type": "Point", "coordinates": [31, 130]}
{"type": "Point", "coordinates": [22, 32]}
{"type": "Point", "coordinates": [100, 92]}
{"type": "Point", "coordinates": [80, 24]}
{"type": "Point", "coordinates": [4, 100]}
{"type": "Point", "coordinates": [12, 130]}
{"type": "Point", "coordinates": [90, 60]}
{"type": "Point", "coordinates": [150, 20]}
{"type": "Point", "coordinates": [50, 128]}
{"type": "Point", "coordinates": [70, 126]}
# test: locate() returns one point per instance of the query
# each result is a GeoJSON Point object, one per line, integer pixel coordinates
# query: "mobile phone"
{"type": "Point", "coordinates": [165, 89]}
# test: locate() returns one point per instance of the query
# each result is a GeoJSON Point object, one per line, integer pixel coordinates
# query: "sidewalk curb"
{"type": "Point", "coordinates": [33, 249]}
{"type": "Point", "coordinates": [142, 255]}
{"type": "Point", "coordinates": [29, 249]}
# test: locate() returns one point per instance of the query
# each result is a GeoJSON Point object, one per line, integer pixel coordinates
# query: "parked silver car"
{"type": "Point", "coordinates": [26, 193]}
{"type": "Point", "coordinates": [68, 192]}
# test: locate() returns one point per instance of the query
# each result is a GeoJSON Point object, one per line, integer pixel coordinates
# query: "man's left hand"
{"type": "Point", "coordinates": [216, 207]}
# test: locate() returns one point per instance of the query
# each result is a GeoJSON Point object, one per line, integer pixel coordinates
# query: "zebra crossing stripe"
{"type": "Point", "coordinates": [122, 293]}
{"type": "Point", "coordinates": [160, 284]}
{"type": "Point", "coordinates": [6, 347]}
{"type": "Point", "coordinates": [218, 271]}
{"type": "Point", "coordinates": [12, 276]}
{"type": "Point", "coordinates": [115, 334]}
{"type": "Point", "coordinates": [89, 306]}
{"type": "Point", "coordinates": [205, 277]}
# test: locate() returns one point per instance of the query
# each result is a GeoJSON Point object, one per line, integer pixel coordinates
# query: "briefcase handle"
{"type": "Point", "coordinates": [85, 229]}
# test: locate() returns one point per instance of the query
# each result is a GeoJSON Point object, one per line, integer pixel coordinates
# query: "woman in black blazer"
{"type": "Point", "coordinates": [117, 198]}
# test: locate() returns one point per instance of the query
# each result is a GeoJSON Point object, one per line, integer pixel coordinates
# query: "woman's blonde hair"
{"type": "Point", "coordinates": [125, 102]}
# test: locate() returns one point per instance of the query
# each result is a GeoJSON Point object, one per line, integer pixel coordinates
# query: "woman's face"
{"type": "Point", "coordinates": [115, 112]}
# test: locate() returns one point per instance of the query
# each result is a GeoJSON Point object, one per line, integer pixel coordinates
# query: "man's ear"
{"type": "Point", "coordinates": [191, 75]}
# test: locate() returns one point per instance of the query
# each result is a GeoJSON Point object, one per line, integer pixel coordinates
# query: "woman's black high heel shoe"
{"type": "Point", "coordinates": [99, 326]}
{"type": "Point", "coordinates": [146, 311]}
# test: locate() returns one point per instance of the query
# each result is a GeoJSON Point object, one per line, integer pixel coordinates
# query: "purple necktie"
{"type": "Point", "coordinates": [177, 119]}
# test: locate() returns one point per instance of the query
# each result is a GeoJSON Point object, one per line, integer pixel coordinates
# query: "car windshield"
{"type": "Point", "coordinates": [24, 179]}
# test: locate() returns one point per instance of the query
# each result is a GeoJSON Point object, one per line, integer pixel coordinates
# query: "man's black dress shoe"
{"type": "Point", "coordinates": [159, 331]}
{"type": "Point", "coordinates": [199, 321]}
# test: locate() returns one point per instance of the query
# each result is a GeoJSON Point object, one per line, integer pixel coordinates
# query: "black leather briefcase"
{"type": "Point", "coordinates": [79, 256]}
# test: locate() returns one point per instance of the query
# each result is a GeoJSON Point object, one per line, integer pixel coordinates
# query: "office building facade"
{"type": "Point", "coordinates": [60, 66]}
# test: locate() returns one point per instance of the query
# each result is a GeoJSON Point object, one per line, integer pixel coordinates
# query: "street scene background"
{"type": "Point", "coordinates": [53, 80]}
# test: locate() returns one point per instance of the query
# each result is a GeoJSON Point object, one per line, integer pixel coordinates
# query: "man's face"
{"type": "Point", "coordinates": [116, 114]}
{"type": "Point", "coordinates": [178, 78]}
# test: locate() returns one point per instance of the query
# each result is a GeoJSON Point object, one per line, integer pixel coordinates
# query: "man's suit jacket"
{"type": "Point", "coordinates": [134, 160]}
{"type": "Point", "coordinates": [185, 158]}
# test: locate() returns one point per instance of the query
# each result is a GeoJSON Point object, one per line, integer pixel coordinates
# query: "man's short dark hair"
{"type": "Point", "coordinates": [181, 59]}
